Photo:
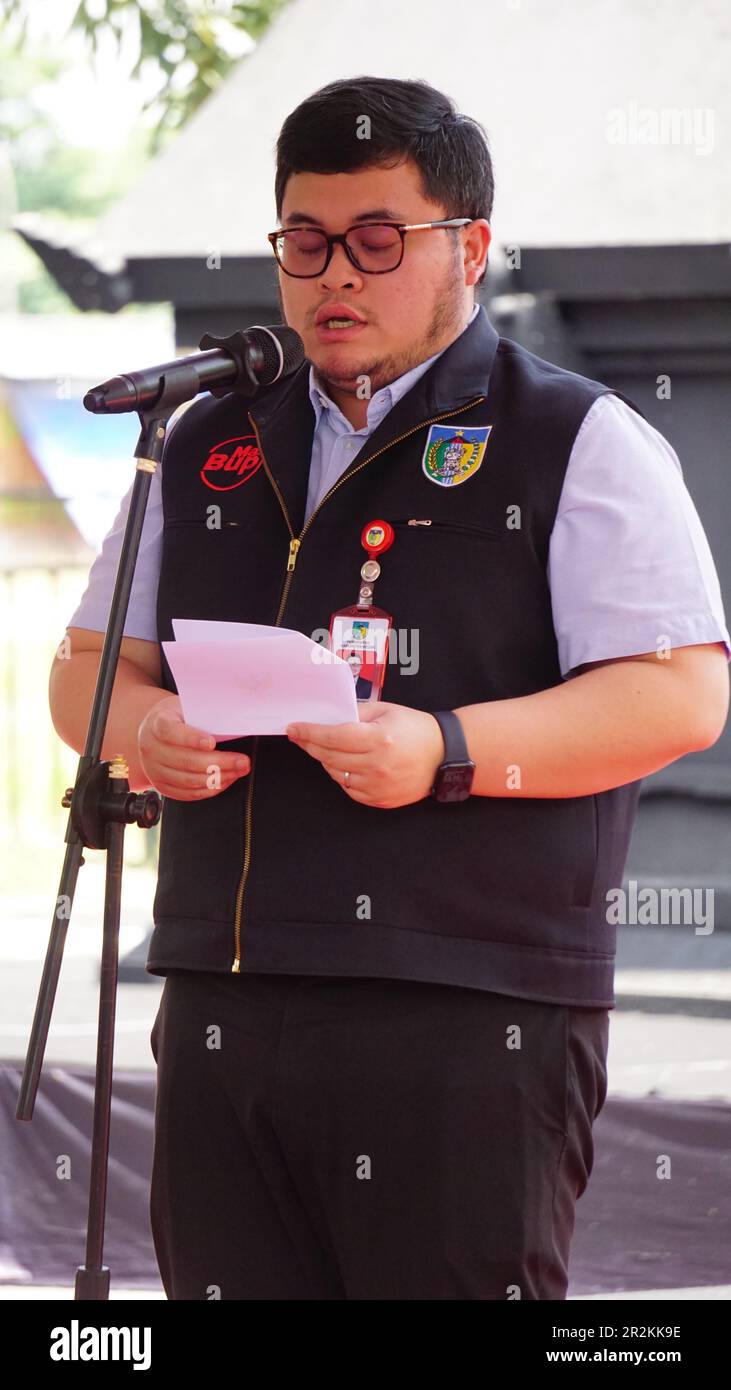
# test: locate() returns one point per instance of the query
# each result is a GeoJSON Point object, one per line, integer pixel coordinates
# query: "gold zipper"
{"type": "Point", "coordinates": [294, 545]}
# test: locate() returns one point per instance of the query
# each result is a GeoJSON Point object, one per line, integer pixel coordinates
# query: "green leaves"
{"type": "Point", "coordinates": [192, 44]}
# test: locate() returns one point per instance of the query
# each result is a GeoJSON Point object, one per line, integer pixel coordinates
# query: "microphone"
{"type": "Point", "coordinates": [243, 362]}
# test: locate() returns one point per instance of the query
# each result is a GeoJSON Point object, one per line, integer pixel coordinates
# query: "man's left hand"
{"type": "Point", "coordinates": [392, 753]}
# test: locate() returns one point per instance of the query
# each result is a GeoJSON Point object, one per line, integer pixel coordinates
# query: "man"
{"type": "Point", "coordinates": [381, 1044]}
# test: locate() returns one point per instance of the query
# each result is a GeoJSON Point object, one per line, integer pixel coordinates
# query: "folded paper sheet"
{"type": "Point", "coordinates": [236, 679]}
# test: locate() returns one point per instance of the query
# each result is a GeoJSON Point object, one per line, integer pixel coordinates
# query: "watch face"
{"type": "Point", "coordinates": [454, 783]}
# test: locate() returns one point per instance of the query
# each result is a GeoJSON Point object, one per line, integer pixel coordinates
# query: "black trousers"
{"type": "Point", "coordinates": [343, 1138]}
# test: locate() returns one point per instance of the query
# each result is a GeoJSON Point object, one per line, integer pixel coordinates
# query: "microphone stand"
{"type": "Point", "coordinates": [101, 805]}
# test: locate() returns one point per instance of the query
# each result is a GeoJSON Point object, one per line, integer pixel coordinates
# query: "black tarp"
{"type": "Point", "coordinates": [634, 1229]}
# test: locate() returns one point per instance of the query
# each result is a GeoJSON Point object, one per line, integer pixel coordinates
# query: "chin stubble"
{"type": "Point", "coordinates": [445, 319]}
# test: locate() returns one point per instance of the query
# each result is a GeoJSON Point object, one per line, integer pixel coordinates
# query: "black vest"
{"type": "Point", "coordinates": [283, 872]}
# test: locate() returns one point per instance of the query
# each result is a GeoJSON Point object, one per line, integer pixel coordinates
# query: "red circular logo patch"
{"type": "Point", "coordinates": [231, 463]}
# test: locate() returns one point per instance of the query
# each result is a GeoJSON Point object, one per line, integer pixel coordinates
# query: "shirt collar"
{"type": "Point", "coordinates": [380, 402]}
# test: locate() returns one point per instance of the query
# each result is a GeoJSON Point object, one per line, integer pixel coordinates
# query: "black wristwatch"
{"type": "Point", "coordinates": [454, 776]}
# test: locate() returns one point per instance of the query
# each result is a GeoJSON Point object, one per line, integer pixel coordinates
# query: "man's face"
{"type": "Point", "coordinates": [410, 313]}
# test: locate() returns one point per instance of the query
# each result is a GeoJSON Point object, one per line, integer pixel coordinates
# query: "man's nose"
{"type": "Point", "coordinates": [340, 272]}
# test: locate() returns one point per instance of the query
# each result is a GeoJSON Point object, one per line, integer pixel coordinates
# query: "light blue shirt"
{"type": "Point", "coordinates": [629, 564]}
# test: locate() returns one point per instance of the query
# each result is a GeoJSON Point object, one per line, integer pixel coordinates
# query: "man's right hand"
{"type": "Point", "coordinates": [172, 757]}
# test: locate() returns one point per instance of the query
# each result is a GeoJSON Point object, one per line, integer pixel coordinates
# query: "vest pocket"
{"type": "Point", "coordinates": [196, 521]}
{"type": "Point", "coordinates": [586, 849]}
{"type": "Point", "coordinates": [460, 528]}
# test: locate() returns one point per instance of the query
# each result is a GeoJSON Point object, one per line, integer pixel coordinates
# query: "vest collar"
{"type": "Point", "coordinates": [285, 421]}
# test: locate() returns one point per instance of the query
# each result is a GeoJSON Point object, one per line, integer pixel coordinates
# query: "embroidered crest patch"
{"type": "Point", "coordinates": [451, 455]}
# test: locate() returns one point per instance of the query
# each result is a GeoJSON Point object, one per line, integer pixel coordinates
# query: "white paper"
{"type": "Point", "coordinates": [236, 679]}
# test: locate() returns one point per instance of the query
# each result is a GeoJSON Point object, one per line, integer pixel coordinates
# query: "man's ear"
{"type": "Point", "coordinates": [476, 245]}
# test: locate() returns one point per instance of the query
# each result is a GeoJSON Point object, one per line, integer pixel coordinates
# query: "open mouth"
{"type": "Point", "coordinates": [335, 328]}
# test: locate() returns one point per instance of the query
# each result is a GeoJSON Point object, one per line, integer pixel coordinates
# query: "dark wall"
{"type": "Point", "coordinates": [626, 316]}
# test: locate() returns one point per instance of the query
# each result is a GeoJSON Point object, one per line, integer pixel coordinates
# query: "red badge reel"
{"type": "Point", "coordinates": [360, 634]}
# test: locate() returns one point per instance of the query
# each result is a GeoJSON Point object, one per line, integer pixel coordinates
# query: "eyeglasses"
{"type": "Point", "coordinates": [373, 247]}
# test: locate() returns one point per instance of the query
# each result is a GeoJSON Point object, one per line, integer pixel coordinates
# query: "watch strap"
{"type": "Point", "coordinates": [455, 743]}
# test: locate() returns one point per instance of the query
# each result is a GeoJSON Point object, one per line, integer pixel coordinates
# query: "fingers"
{"type": "Point", "coordinates": [211, 778]}
{"type": "Point", "coordinates": [362, 766]}
{"type": "Point", "coordinates": [337, 771]}
{"type": "Point", "coordinates": [344, 738]}
{"type": "Point", "coordinates": [199, 765]}
{"type": "Point", "coordinates": [357, 787]}
{"type": "Point", "coordinates": [338, 753]}
{"type": "Point", "coordinates": [337, 764]}
{"type": "Point", "coordinates": [177, 765]}
{"type": "Point", "coordinates": [172, 729]}
{"type": "Point", "coordinates": [186, 786]}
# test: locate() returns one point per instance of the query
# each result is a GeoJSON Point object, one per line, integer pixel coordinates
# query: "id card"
{"type": "Point", "coordinates": [361, 639]}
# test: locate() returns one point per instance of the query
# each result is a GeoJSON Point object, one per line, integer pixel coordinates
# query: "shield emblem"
{"type": "Point", "coordinates": [451, 456]}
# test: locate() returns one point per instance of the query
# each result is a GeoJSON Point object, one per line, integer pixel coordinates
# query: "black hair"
{"type": "Point", "coordinates": [407, 119]}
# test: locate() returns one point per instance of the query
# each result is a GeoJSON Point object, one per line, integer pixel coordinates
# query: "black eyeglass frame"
{"type": "Point", "coordinates": [340, 239]}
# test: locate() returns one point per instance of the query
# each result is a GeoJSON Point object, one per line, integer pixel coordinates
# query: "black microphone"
{"type": "Point", "coordinates": [243, 362]}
